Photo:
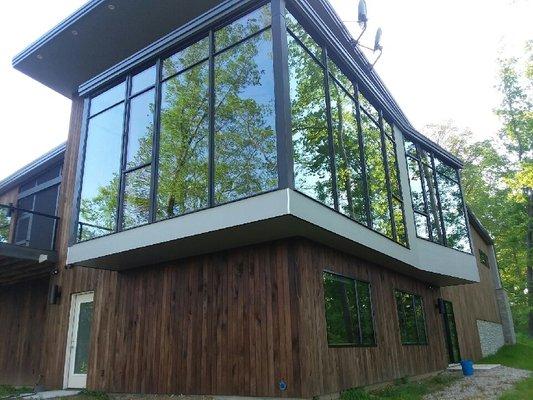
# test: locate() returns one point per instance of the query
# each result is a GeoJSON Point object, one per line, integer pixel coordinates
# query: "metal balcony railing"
{"type": "Point", "coordinates": [28, 228]}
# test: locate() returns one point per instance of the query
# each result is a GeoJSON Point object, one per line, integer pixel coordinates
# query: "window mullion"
{"type": "Point", "coordinates": [125, 129]}
{"type": "Point", "coordinates": [424, 193]}
{"type": "Point", "coordinates": [282, 96]}
{"type": "Point", "coordinates": [439, 206]}
{"type": "Point", "coordinates": [357, 306]}
{"type": "Point", "coordinates": [415, 318]}
{"type": "Point", "coordinates": [155, 143]}
{"type": "Point", "coordinates": [331, 146]}
{"type": "Point", "coordinates": [387, 175]}
{"type": "Point", "coordinates": [211, 144]}
{"type": "Point", "coordinates": [362, 157]}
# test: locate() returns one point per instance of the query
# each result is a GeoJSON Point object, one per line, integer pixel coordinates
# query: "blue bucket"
{"type": "Point", "coordinates": [468, 367]}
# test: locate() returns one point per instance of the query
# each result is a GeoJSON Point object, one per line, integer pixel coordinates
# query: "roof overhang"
{"type": "Point", "coordinates": [478, 226]}
{"type": "Point", "coordinates": [37, 166]}
{"type": "Point", "coordinates": [97, 40]}
{"type": "Point", "coordinates": [99, 35]}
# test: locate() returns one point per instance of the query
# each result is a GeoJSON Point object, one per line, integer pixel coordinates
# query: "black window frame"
{"type": "Point", "coordinates": [214, 19]}
{"type": "Point", "coordinates": [357, 90]}
{"type": "Point", "coordinates": [413, 297]}
{"type": "Point", "coordinates": [336, 275]}
{"type": "Point", "coordinates": [157, 61]}
{"type": "Point", "coordinates": [417, 157]}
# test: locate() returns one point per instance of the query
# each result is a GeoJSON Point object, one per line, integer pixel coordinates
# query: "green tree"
{"type": "Point", "coordinates": [498, 181]}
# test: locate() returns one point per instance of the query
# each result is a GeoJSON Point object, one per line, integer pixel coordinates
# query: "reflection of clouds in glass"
{"type": "Point", "coordinates": [102, 165]}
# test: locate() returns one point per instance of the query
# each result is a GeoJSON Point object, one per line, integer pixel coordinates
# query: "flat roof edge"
{"type": "Point", "coordinates": [17, 176]}
{"type": "Point", "coordinates": [52, 33]}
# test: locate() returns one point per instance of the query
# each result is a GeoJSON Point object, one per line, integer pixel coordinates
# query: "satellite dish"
{"type": "Point", "coordinates": [377, 41]}
{"type": "Point", "coordinates": [361, 13]}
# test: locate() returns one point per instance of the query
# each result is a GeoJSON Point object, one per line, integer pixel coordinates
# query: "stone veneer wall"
{"type": "Point", "coordinates": [490, 336]}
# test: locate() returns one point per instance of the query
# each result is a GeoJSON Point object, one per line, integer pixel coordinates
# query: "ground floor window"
{"type": "Point", "coordinates": [411, 318]}
{"type": "Point", "coordinates": [348, 311]}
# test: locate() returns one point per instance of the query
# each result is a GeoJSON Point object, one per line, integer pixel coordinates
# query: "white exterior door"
{"type": "Point", "coordinates": [79, 338]}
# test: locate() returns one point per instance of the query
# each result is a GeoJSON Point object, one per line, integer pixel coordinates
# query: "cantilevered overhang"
{"type": "Point", "coordinates": [19, 263]}
{"type": "Point", "coordinates": [275, 215]}
{"type": "Point", "coordinates": [101, 34]}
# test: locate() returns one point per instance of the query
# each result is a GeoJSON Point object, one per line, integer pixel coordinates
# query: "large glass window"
{"type": "Point", "coordinates": [411, 317]}
{"type": "Point", "coordinates": [312, 172]}
{"type": "Point", "coordinates": [245, 138]}
{"type": "Point", "coordinates": [101, 174]}
{"type": "Point", "coordinates": [207, 123]}
{"type": "Point", "coordinates": [183, 183]}
{"type": "Point", "coordinates": [344, 150]}
{"type": "Point", "coordinates": [348, 304]}
{"type": "Point", "coordinates": [437, 199]}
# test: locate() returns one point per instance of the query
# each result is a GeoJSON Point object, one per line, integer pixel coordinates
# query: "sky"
{"type": "Point", "coordinates": [439, 62]}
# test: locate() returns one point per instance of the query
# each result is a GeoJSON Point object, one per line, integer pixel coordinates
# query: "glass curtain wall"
{"type": "Point", "coordinates": [344, 150]}
{"type": "Point", "coordinates": [191, 131]}
{"type": "Point", "coordinates": [437, 199]}
{"type": "Point", "coordinates": [196, 128]}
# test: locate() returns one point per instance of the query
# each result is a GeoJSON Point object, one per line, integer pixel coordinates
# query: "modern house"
{"type": "Point", "coordinates": [241, 208]}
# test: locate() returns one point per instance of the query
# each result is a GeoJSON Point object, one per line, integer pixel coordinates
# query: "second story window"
{"type": "Point", "coordinates": [437, 199]}
{"type": "Point", "coordinates": [344, 149]}
{"type": "Point", "coordinates": [411, 318]}
{"type": "Point", "coordinates": [349, 318]}
{"type": "Point", "coordinates": [190, 131]}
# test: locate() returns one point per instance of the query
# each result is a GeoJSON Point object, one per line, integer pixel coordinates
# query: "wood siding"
{"type": "Point", "coordinates": [330, 369]}
{"type": "Point", "coordinates": [473, 302]}
{"type": "Point", "coordinates": [234, 322]}
{"type": "Point", "coordinates": [22, 311]}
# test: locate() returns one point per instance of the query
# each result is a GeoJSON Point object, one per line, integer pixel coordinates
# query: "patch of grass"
{"type": "Point", "coordinates": [403, 389]}
{"type": "Point", "coordinates": [523, 390]}
{"type": "Point", "coordinates": [7, 390]}
{"type": "Point", "coordinates": [519, 355]}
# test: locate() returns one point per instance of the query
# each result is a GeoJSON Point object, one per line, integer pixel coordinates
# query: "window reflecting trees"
{"type": "Point", "coordinates": [99, 195]}
{"type": "Point", "coordinates": [245, 138]}
{"type": "Point", "coordinates": [197, 128]}
{"type": "Point", "coordinates": [183, 168]}
{"type": "Point", "coordinates": [223, 113]}
{"type": "Point", "coordinates": [343, 150]}
{"type": "Point", "coordinates": [437, 199]}
{"type": "Point", "coordinates": [411, 318]}
{"type": "Point", "coordinates": [348, 304]}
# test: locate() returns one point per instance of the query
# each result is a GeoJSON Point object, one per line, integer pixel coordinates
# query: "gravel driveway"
{"type": "Point", "coordinates": [484, 384]}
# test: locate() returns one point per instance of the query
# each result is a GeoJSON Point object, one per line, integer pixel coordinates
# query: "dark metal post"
{"type": "Point", "coordinates": [155, 143]}
{"type": "Point", "coordinates": [387, 175]}
{"type": "Point", "coordinates": [285, 159]}
{"type": "Point", "coordinates": [125, 130]}
{"type": "Point", "coordinates": [331, 145]}
{"type": "Point", "coordinates": [362, 158]}
{"type": "Point", "coordinates": [211, 145]}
